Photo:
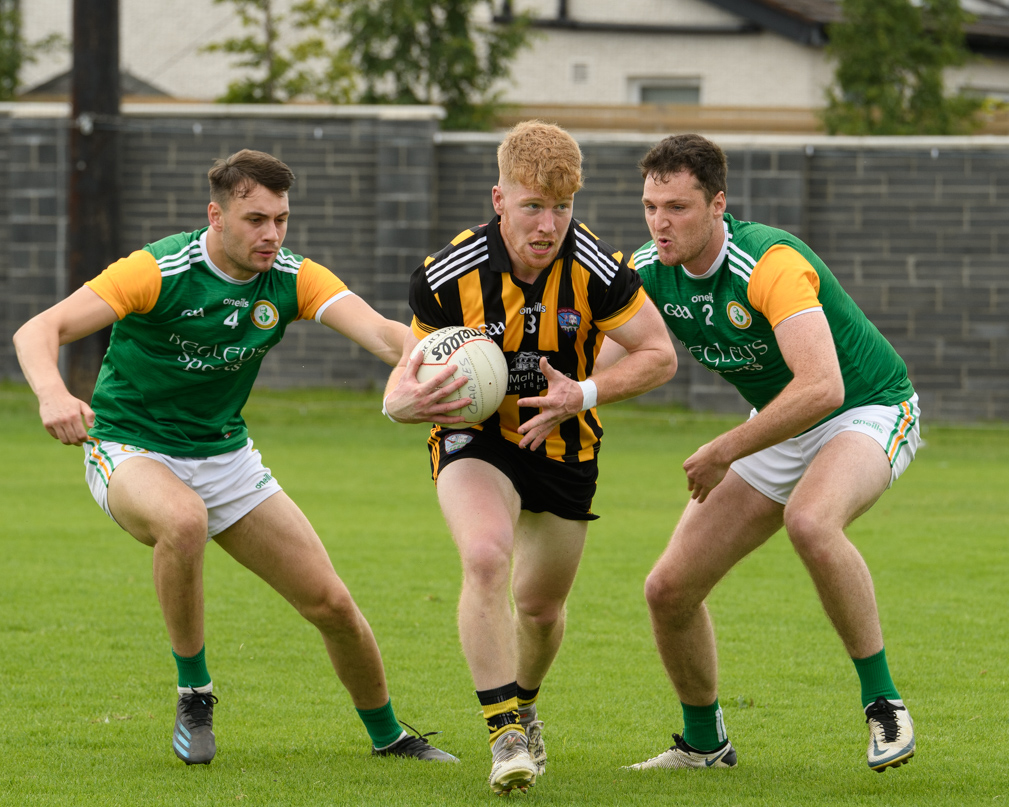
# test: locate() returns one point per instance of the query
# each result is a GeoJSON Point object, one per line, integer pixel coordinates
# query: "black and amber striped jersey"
{"type": "Point", "coordinates": [562, 315]}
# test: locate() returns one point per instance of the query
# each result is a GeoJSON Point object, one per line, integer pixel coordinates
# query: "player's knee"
{"type": "Point", "coordinates": [806, 530]}
{"type": "Point", "coordinates": [185, 533]}
{"type": "Point", "coordinates": [666, 595]}
{"type": "Point", "coordinates": [487, 564]}
{"type": "Point", "coordinates": [542, 612]}
{"type": "Point", "coordinates": [332, 610]}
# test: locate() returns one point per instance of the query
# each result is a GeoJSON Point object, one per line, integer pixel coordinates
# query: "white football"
{"type": "Point", "coordinates": [478, 358]}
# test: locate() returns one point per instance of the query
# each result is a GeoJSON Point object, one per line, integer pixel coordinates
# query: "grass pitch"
{"type": "Point", "coordinates": [87, 697]}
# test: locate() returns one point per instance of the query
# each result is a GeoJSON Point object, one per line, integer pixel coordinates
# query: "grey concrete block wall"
{"type": "Point", "coordinates": [916, 230]}
{"type": "Point", "coordinates": [920, 238]}
{"type": "Point", "coordinates": [33, 180]}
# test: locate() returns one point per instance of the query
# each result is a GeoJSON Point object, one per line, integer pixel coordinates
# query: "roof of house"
{"type": "Point", "coordinates": [806, 21]}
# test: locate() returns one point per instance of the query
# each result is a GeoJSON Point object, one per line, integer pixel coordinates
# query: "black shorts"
{"type": "Point", "coordinates": [544, 485]}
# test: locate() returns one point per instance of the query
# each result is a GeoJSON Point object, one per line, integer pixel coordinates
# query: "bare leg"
{"type": "Point", "coordinates": [174, 523]}
{"type": "Point", "coordinates": [547, 552]}
{"type": "Point", "coordinates": [708, 541]}
{"type": "Point", "coordinates": [845, 479]}
{"type": "Point", "coordinates": [277, 542]}
{"type": "Point", "coordinates": [481, 508]}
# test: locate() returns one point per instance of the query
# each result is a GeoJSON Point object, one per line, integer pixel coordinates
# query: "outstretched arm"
{"type": "Point", "coordinates": [37, 343]}
{"type": "Point", "coordinates": [358, 321]}
{"type": "Point", "coordinates": [649, 361]}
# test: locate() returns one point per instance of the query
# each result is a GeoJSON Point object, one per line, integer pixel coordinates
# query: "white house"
{"type": "Point", "coordinates": [711, 53]}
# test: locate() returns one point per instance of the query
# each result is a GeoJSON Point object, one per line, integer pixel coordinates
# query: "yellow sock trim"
{"type": "Point", "coordinates": [492, 710]}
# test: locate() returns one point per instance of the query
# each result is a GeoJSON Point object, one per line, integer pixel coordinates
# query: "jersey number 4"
{"type": "Point", "coordinates": [232, 319]}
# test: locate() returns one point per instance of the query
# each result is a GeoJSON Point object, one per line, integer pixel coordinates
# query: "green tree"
{"type": "Point", "coordinates": [433, 52]}
{"type": "Point", "coordinates": [15, 52]}
{"type": "Point", "coordinates": [310, 67]}
{"type": "Point", "coordinates": [891, 57]}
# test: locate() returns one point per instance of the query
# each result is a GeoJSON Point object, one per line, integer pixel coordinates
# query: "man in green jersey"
{"type": "Point", "coordinates": [167, 454]}
{"type": "Point", "coordinates": [834, 423]}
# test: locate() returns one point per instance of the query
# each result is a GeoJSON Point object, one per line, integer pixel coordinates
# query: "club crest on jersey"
{"type": "Point", "coordinates": [738, 315]}
{"type": "Point", "coordinates": [569, 320]}
{"type": "Point", "coordinates": [457, 441]}
{"type": "Point", "coordinates": [265, 314]}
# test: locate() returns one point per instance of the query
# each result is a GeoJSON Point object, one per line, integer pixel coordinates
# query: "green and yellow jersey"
{"type": "Point", "coordinates": [726, 318]}
{"type": "Point", "coordinates": [190, 340]}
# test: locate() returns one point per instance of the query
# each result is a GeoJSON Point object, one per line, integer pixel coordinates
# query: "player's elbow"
{"type": "Point", "coordinates": [830, 394]}
{"type": "Point", "coordinates": [23, 335]}
{"type": "Point", "coordinates": [662, 363]}
{"type": "Point", "coordinates": [670, 364]}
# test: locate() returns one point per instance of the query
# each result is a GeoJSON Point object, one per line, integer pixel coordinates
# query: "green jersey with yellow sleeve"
{"type": "Point", "coordinates": [726, 318]}
{"type": "Point", "coordinates": [189, 342]}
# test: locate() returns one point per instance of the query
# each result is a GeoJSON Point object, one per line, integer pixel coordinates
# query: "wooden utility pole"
{"type": "Point", "coordinates": [93, 233]}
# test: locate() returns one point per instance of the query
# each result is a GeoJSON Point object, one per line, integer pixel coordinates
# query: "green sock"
{"type": "Point", "coordinates": [382, 725]}
{"type": "Point", "coordinates": [703, 727]}
{"type": "Point", "coordinates": [874, 675]}
{"type": "Point", "coordinates": [193, 670]}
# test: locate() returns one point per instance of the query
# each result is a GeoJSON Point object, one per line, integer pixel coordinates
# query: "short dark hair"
{"type": "Point", "coordinates": [237, 176]}
{"type": "Point", "coordinates": [688, 152]}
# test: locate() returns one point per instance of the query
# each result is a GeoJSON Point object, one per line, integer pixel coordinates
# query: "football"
{"type": "Point", "coordinates": [478, 358]}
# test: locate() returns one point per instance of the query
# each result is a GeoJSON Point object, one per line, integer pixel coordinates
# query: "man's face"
{"type": "Point", "coordinates": [251, 230]}
{"type": "Point", "coordinates": [683, 224]}
{"type": "Point", "coordinates": [533, 225]}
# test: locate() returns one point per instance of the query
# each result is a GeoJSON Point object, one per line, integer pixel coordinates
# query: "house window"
{"type": "Point", "coordinates": [665, 91]}
{"type": "Point", "coordinates": [994, 93]}
{"type": "Point", "coordinates": [579, 73]}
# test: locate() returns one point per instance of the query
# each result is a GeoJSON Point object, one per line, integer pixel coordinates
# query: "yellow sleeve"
{"type": "Point", "coordinates": [783, 283]}
{"type": "Point", "coordinates": [420, 330]}
{"type": "Point", "coordinates": [130, 285]}
{"type": "Point", "coordinates": [316, 287]}
{"type": "Point", "coordinates": [624, 314]}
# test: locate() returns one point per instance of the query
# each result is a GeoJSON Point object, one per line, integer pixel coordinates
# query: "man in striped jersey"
{"type": "Point", "coordinates": [167, 453]}
{"type": "Point", "coordinates": [517, 490]}
{"type": "Point", "coordinates": [834, 423]}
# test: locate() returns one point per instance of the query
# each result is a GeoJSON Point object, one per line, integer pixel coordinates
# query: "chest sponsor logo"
{"type": "Point", "coordinates": [738, 315]}
{"type": "Point", "coordinates": [524, 376]}
{"type": "Point", "coordinates": [457, 442]}
{"type": "Point", "coordinates": [569, 320]}
{"type": "Point", "coordinates": [203, 358]}
{"type": "Point", "coordinates": [678, 311]}
{"type": "Point", "coordinates": [731, 359]}
{"type": "Point", "coordinates": [265, 315]}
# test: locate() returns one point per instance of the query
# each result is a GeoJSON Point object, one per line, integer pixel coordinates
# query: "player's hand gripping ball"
{"type": "Point", "coordinates": [478, 358]}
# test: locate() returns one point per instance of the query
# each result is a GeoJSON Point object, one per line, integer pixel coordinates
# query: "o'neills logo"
{"type": "Point", "coordinates": [738, 315]}
{"type": "Point", "coordinates": [265, 314]}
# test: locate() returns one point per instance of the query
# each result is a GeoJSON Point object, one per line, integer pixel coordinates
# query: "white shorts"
{"type": "Point", "coordinates": [231, 484]}
{"type": "Point", "coordinates": [775, 471]}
